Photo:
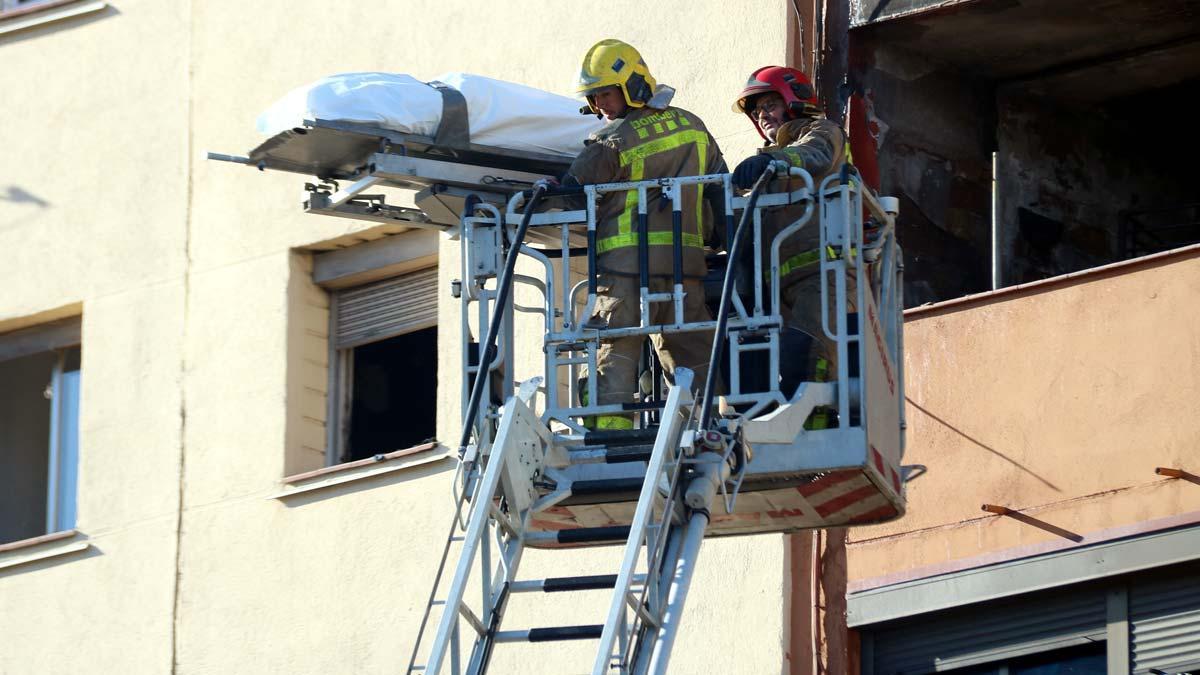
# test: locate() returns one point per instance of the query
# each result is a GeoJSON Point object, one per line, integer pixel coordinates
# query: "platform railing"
{"type": "Point", "coordinates": [570, 345]}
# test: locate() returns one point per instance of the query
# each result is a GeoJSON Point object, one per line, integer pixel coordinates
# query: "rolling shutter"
{"type": "Point", "coordinates": [987, 632]}
{"type": "Point", "coordinates": [1165, 623]}
{"type": "Point", "coordinates": [385, 309]}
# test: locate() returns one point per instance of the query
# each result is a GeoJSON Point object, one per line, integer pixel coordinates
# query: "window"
{"type": "Point", "coordinates": [14, 5]}
{"type": "Point", "coordinates": [39, 429]}
{"type": "Point", "coordinates": [1082, 660]}
{"type": "Point", "coordinates": [383, 366]}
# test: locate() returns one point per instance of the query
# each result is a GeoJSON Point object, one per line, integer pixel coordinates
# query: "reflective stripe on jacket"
{"type": "Point", "coordinates": [651, 143]}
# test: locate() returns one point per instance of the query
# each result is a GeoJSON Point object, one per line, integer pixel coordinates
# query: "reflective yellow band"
{"type": "Point", "coordinates": [635, 159]}
{"type": "Point", "coordinates": [809, 257]}
{"type": "Point", "coordinates": [793, 157]}
{"type": "Point", "coordinates": [613, 422]}
{"type": "Point", "coordinates": [670, 142]}
{"type": "Point", "coordinates": [625, 218]}
{"type": "Point", "coordinates": [656, 239]}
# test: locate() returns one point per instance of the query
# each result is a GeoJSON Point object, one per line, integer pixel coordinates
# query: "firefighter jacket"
{"type": "Point", "coordinates": [818, 146]}
{"type": "Point", "coordinates": [648, 143]}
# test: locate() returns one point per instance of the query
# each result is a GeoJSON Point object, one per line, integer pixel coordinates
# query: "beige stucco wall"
{"type": "Point", "coordinates": [203, 335]}
{"type": "Point", "coordinates": [1059, 401]}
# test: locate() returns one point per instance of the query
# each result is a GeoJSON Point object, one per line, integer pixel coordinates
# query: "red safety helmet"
{"type": "Point", "coordinates": [793, 85]}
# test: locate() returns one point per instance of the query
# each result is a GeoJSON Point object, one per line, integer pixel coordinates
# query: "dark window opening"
{"type": "Point", "coordinates": [394, 394]}
{"type": "Point", "coordinates": [39, 410]}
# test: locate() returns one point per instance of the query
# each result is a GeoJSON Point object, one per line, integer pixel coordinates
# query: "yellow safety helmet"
{"type": "Point", "coordinates": [614, 63]}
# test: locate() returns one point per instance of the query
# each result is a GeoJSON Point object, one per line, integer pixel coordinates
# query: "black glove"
{"type": "Point", "coordinates": [749, 170]}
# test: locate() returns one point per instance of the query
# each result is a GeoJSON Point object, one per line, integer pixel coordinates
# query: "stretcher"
{"type": "Point", "coordinates": [357, 131]}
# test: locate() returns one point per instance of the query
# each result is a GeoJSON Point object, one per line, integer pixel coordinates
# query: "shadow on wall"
{"type": "Point", "coordinates": [28, 205]}
{"type": "Point", "coordinates": [18, 195]}
{"type": "Point", "coordinates": [981, 444]}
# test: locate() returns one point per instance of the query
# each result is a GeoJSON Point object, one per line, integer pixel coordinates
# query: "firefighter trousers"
{"type": "Point", "coordinates": [801, 308]}
{"type": "Point", "coordinates": [617, 305]}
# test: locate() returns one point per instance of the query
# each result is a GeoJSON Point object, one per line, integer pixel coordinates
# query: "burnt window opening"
{"type": "Point", "coordinates": [383, 367]}
{"type": "Point", "coordinates": [394, 395]}
{"type": "Point", "coordinates": [1060, 128]}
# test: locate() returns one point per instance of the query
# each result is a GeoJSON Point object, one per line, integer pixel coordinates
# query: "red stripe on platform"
{"type": "Point", "coordinates": [880, 513]}
{"type": "Point", "coordinates": [826, 482]}
{"type": "Point", "coordinates": [838, 503]}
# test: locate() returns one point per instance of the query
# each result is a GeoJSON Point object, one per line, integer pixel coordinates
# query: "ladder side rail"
{"type": "Point", "coordinates": [891, 294]}
{"type": "Point", "coordinates": [719, 336]}
{"type": "Point", "coordinates": [496, 323]}
{"type": "Point", "coordinates": [643, 257]}
{"type": "Point", "coordinates": [565, 261]}
{"type": "Point", "coordinates": [496, 600]}
{"type": "Point", "coordinates": [853, 252]}
{"type": "Point", "coordinates": [658, 657]}
{"type": "Point", "coordinates": [476, 496]}
{"type": "Point", "coordinates": [675, 192]}
{"type": "Point", "coordinates": [641, 635]}
{"type": "Point", "coordinates": [474, 274]}
{"type": "Point", "coordinates": [477, 522]}
{"type": "Point", "coordinates": [756, 246]}
{"type": "Point", "coordinates": [678, 396]}
{"type": "Point", "coordinates": [836, 203]}
{"type": "Point", "coordinates": [437, 580]}
{"type": "Point", "coordinates": [899, 322]}
{"type": "Point", "coordinates": [550, 372]}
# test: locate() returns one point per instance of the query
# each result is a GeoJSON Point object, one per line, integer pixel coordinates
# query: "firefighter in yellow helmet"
{"type": "Point", "coordinates": [645, 138]}
{"type": "Point", "coordinates": [784, 109]}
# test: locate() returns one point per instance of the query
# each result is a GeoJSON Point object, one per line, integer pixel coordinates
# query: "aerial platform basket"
{"type": "Point", "coordinates": [796, 479]}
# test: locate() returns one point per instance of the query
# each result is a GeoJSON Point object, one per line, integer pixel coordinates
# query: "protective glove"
{"type": "Point", "coordinates": [546, 184]}
{"type": "Point", "coordinates": [749, 170]}
{"type": "Point", "coordinates": [872, 240]}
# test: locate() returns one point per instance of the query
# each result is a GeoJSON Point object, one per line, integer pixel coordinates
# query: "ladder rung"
{"type": "Point", "coordinates": [613, 437]}
{"type": "Point", "coordinates": [583, 583]}
{"type": "Point", "coordinates": [607, 486]}
{"type": "Point", "coordinates": [630, 453]}
{"type": "Point", "coordinates": [552, 634]}
{"type": "Point", "coordinates": [560, 584]}
{"type": "Point", "coordinates": [582, 535]}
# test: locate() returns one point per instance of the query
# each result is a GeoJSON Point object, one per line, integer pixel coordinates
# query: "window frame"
{"type": "Point", "coordinates": [60, 337]}
{"type": "Point", "coordinates": [16, 15]}
{"type": "Point", "coordinates": [62, 471]}
{"type": "Point", "coordinates": [13, 8]}
{"type": "Point", "coordinates": [340, 269]}
{"type": "Point", "coordinates": [341, 375]}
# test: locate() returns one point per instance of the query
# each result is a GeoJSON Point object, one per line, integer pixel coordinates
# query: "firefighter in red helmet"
{"type": "Point", "coordinates": [783, 107]}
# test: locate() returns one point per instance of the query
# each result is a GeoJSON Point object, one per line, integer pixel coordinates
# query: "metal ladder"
{"type": "Point", "coordinates": [661, 548]}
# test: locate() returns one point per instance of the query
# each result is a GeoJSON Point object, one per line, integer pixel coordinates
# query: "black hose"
{"type": "Point", "coordinates": [718, 342]}
{"type": "Point", "coordinates": [489, 343]}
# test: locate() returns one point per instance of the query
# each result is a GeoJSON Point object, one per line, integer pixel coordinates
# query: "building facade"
{"type": "Point", "coordinates": [219, 452]}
